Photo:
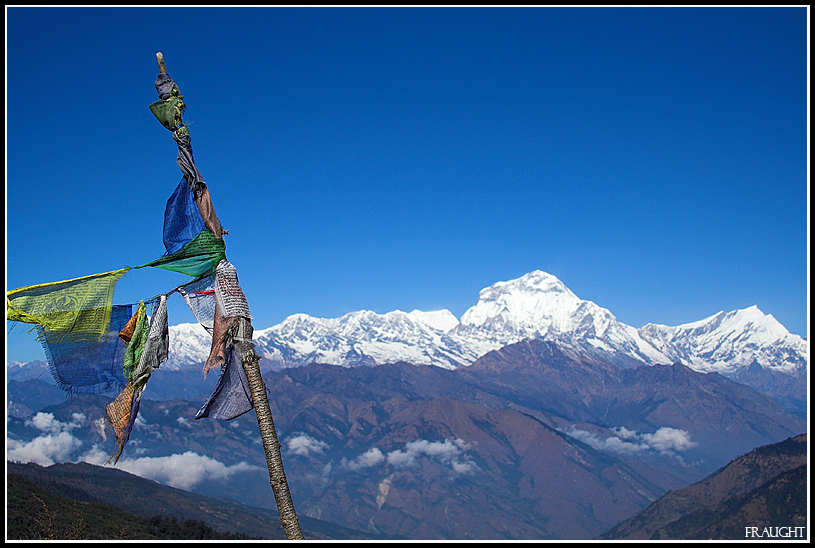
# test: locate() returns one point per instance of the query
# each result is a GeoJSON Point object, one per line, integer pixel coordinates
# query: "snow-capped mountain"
{"type": "Point", "coordinates": [365, 338]}
{"type": "Point", "coordinates": [726, 341]}
{"type": "Point", "coordinates": [189, 344]}
{"type": "Point", "coordinates": [539, 306]}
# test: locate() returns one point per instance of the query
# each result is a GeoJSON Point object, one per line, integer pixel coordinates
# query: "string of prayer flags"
{"type": "Point", "coordinates": [93, 346]}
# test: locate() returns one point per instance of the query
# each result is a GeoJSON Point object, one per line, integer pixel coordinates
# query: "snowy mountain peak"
{"type": "Point", "coordinates": [747, 319]}
{"type": "Point", "coordinates": [727, 340]}
{"type": "Point", "coordinates": [535, 299]}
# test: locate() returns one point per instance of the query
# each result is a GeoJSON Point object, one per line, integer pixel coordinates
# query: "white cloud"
{"type": "Point", "coordinates": [669, 439]}
{"type": "Point", "coordinates": [96, 455]}
{"type": "Point", "coordinates": [463, 467]}
{"type": "Point", "coordinates": [303, 444]}
{"type": "Point", "coordinates": [183, 471]}
{"type": "Point", "coordinates": [46, 422]}
{"type": "Point", "coordinates": [56, 445]}
{"type": "Point", "coordinates": [628, 442]}
{"type": "Point", "coordinates": [369, 458]}
{"type": "Point", "coordinates": [448, 452]}
{"type": "Point", "coordinates": [444, 451]}
{"type": "Point", "coordinates": [44, 450]}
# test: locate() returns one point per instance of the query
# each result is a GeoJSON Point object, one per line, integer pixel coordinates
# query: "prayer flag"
{"type": "Point", "coordinates": [81, 305]}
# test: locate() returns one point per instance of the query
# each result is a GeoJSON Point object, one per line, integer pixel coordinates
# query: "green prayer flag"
{"type": "Point", "coordinates": [136, 344]}
{"type": "Point", "coordinates": [197, 257]}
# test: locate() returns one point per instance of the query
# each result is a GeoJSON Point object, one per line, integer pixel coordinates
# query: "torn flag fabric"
{"type": "Point", "coordinates": [231, 397]}
{"type": "Point", "coordinates": [169, 110]}
{"type": "Point", "coordinates": [196, 183]}
{"type": "Point", "coordinates": [156, 346]}
{"type": "Point", "coordinates": [121, 415]}
{"type": "Point", "coordinates": [231, 342]}
{"type": "Point", "coordinates": [135, 339]}
{"type": "Point", "coordinates": [88, 365]}
{"type": "Point", "coordinates": [200, 297]}
{"type": "Point", "coordinates": [228, 293]}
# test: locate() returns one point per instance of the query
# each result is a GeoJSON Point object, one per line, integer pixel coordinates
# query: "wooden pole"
{"type": "Point", "coordinates": [161, 68]}
{"type": "Point", "coordinates": [274, 461]}
{"type": "Point", "coordinates": [271, 445]}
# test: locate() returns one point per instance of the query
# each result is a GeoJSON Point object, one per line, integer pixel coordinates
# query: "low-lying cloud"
{"type": "Point", "coordinates": [369, 458]}
{"type": "Point", "coordinates": [450, 451]}
{"type": "Point", "coordinates": [183, 471]}
{"type": "Point", "coordinates": [56, 444]}
{"type": "Point", "coordinates": [303, 445]}
{"type": "Point", "coordinates": [665, 440]}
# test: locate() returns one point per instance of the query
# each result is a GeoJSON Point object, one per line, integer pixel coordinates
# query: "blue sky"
{"type": "Point", "coordinates": [655, 160]}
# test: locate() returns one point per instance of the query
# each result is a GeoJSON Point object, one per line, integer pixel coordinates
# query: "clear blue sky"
{"type": "Point", "coordinates": [655, 160]}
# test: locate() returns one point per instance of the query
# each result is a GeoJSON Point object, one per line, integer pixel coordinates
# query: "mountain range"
{"type": "Point", "coordinates": [744, 345]}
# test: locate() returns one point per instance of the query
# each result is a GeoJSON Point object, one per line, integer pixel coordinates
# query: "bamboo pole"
{"type": "Point", "coordinates": [271, 445]}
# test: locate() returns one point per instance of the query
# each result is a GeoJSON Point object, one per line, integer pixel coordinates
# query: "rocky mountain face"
{"type": "Point", "coordinates": [765, 489]}
{"type": "Point", "coordinates": [532, 441]}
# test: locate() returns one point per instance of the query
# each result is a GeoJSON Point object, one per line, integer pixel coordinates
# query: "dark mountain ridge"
{"type": "Point", "coordinates": [90, 483]}
{"type": "Point", "coordinates": [33, 513]}
{"type": "Point", "coordinates": [767, 487]}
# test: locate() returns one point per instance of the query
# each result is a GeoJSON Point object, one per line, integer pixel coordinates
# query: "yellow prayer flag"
{"type": "Point", "coordinates": [79, 305]}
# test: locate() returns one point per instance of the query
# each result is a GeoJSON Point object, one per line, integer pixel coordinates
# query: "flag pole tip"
{"type": "Point", "coordinates": [160, 59]}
